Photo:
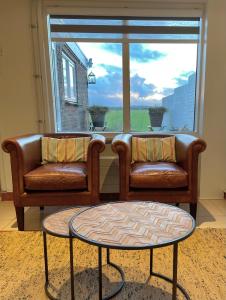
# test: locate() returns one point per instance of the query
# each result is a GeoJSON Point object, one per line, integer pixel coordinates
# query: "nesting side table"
{"type": "Point", "coordinates": [136, 225]}
{"type": "Point", "coordinates": [57, 225]}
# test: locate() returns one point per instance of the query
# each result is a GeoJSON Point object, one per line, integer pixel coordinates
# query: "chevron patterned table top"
{"type": "Point", "coordinates": [132, 225]}
{"type": "Point", "coordinates": [58, 223]}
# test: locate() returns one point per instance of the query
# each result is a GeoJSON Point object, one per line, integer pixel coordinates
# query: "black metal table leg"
{"type": "Point", "coordinates": [45, 257]}
{"type": "Point", "coordinates": [175, 284]}
{"type": "Point", "coordinates": [100, 271]}
{"type": "Point", "coordinates": [71, 268]}
{"type": "Point", "coordinates": [121, 284]}
{"type": "Point", "coordinates": [151, 261]}
{"type": "Point", "coordinates": [175, 257]}
{"type": "Point", "coordinates": [48, 293]}
{"type": "Point", "coordinates": [108, 256]}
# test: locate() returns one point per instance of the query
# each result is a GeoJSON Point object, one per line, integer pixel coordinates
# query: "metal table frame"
{"type": "Point", "coordinates": [47, 283]}
{"type": "Point", "coordinates": [173, 281]}
{"type": "Point", "coordinates": [114, 293]}
{"type": "Point", "coordinates": [45, 251]}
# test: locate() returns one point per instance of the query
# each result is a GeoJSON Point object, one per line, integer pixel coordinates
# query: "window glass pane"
{"type": "Point", "coordinates": [98, 88]}
{"type": "Point", "coordinates": [176, 37]}
{"type": "Point", "coordinates": [151, 22]}
{"type": "Point", "coordinates": [86, 22]}
{"type": "Point", "coordinates": [131, 36]}
{"type": "Point", "coordinates": [162, 75]}
{"type": "Point", "coordinates": [105, 62]}
{"type": "Point", "coordinates": [65, 77]}
{"type": "Point", "coordinates": [77, 35]}
{"type": "Point", "coordinates": [163, 23]}
{"type": "Point", "coordinates": [72, 81]}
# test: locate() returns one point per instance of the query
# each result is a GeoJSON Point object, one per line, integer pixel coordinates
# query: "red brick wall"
{"type": "Point", "coordinates": [74, 117]}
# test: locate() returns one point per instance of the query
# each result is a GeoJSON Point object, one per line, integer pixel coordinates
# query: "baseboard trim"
{"type": "Point", "coordinates": [6, 196]}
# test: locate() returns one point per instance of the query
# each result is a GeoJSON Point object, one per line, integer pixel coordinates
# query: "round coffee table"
{"type": "Point", "coordinates": [56, 224]}
{"type": "Point", "coordinates": [133, 226]}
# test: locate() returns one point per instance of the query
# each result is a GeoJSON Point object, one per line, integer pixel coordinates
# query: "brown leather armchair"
{"type": "Point", "coordinates": [57, 184]}
{"type": "Point", "coordinates": [160, 181]}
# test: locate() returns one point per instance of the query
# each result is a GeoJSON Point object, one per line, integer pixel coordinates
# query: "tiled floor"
{"type": "Point", "coordinates": [211, 213]}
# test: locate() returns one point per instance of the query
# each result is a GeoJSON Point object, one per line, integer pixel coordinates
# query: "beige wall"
{"type": "Point", "coordinates": [18, 106]}
{"type": "Point", "coordinates": [18, 110]}
{"type": "Point", "coordinates": [213, 171]}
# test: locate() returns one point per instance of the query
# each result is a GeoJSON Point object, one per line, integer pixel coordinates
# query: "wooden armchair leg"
{"type": "Point", "coordinates": [20, 218]}
{"type": "Point", "coordinates": [193, 210]}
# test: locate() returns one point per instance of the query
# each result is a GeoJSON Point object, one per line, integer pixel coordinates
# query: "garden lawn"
{"type": "Point", "coordinates": [139, 120]}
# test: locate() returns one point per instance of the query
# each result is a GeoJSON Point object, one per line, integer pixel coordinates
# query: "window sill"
{"type": "Point", "coordinates": [110, 135]}
{"type": "Point", "coordinates": [71, 102]}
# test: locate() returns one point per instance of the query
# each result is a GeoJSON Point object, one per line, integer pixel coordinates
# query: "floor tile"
{"type": "Point", "coordinates": [210, 213]}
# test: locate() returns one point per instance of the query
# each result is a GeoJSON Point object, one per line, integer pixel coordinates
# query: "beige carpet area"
{"type": "Point", "coordinates": [201, 269]}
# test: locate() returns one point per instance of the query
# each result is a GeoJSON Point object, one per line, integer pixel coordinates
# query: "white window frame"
{"type": "Point", "coordinates": [67, 94]}
{"type": "Point", "coordinates": [151, 9]}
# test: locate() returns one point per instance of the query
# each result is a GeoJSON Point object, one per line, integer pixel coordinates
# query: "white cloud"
{"type": "Point", "coordinates": [162, 72]}
{"type": "Point", "coordinates": [178, 58]}
{"type": "Point", "coordinates": [100, 56]}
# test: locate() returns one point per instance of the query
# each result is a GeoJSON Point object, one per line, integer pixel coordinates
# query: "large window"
{"type": "Point", "coordinates": [135, 74]}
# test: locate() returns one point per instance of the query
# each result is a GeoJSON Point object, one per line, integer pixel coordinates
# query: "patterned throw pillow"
{"type": "Point", "coordinates": [65, 149]}
{"type": "Point", "coordinates": [153, 149]}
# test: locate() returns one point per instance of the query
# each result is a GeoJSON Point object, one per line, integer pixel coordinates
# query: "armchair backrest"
{"type": "Point", "coordinates": [152, 135]}
{"type": "Point", "coordinates": [185, 145]}
{"type": "Point", "coordinates": [67, 135]}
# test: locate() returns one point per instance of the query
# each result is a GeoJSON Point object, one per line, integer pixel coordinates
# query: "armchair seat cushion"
{"type": "Point", "coordinates": [162, 175]}
{"type": "Point", "coordinates": [57, 176]}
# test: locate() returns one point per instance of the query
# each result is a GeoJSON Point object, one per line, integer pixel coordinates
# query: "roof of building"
{"type": "Point", "coordinates": [78, 52]}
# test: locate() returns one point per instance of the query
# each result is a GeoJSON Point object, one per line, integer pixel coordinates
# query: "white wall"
{"type": "Point", "coordinates": [18, 106]}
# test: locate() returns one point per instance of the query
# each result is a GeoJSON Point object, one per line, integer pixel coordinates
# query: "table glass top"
{"type": "Point", "coordinates": [132, 225]}
{"type": "Point", "coordinates": [58, 223]}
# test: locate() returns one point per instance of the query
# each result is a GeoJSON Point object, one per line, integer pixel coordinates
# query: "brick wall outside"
{"type": "Point", "coordinates": [74, 117]}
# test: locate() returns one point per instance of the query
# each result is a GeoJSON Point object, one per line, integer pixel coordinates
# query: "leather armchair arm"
{"type": "Point", "coordinates": [97, 142]}
{"type": "Point", "coordinates": [25, 155]}
{"type": "Point", "coordinates": [188, 148]}
{"type": "Point", "coordinates": [121, 144]}
{"type": "Point", "coordinates": [96, 146]}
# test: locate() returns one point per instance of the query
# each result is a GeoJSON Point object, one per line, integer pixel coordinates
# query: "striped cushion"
{"type": "Point", "coordinates": [64, 150]}
{"type": "Point", "coordinates": [153, 149]}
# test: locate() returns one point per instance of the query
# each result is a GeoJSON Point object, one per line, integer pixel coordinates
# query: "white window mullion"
{"type": "Point", "coordinates": [68, 79]}
{"type": "Point", "coordinates": [200, 79]}
{"type": "Point", "coordinates": [126, 88]}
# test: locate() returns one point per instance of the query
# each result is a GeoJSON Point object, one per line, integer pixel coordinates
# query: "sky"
{"type": "Point", "coordinates": [155, 71]}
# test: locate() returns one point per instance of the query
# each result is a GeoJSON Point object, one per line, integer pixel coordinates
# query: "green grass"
{"type": "Point", "coordinates": [114, 120]}
{"type": "Point", "coordinates": [139, 120]}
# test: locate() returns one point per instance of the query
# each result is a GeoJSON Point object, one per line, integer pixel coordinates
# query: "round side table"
{"type": "Point", "coordinates": [57, 224]}
{"type": "Point", "coordinates": [133, 225]}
